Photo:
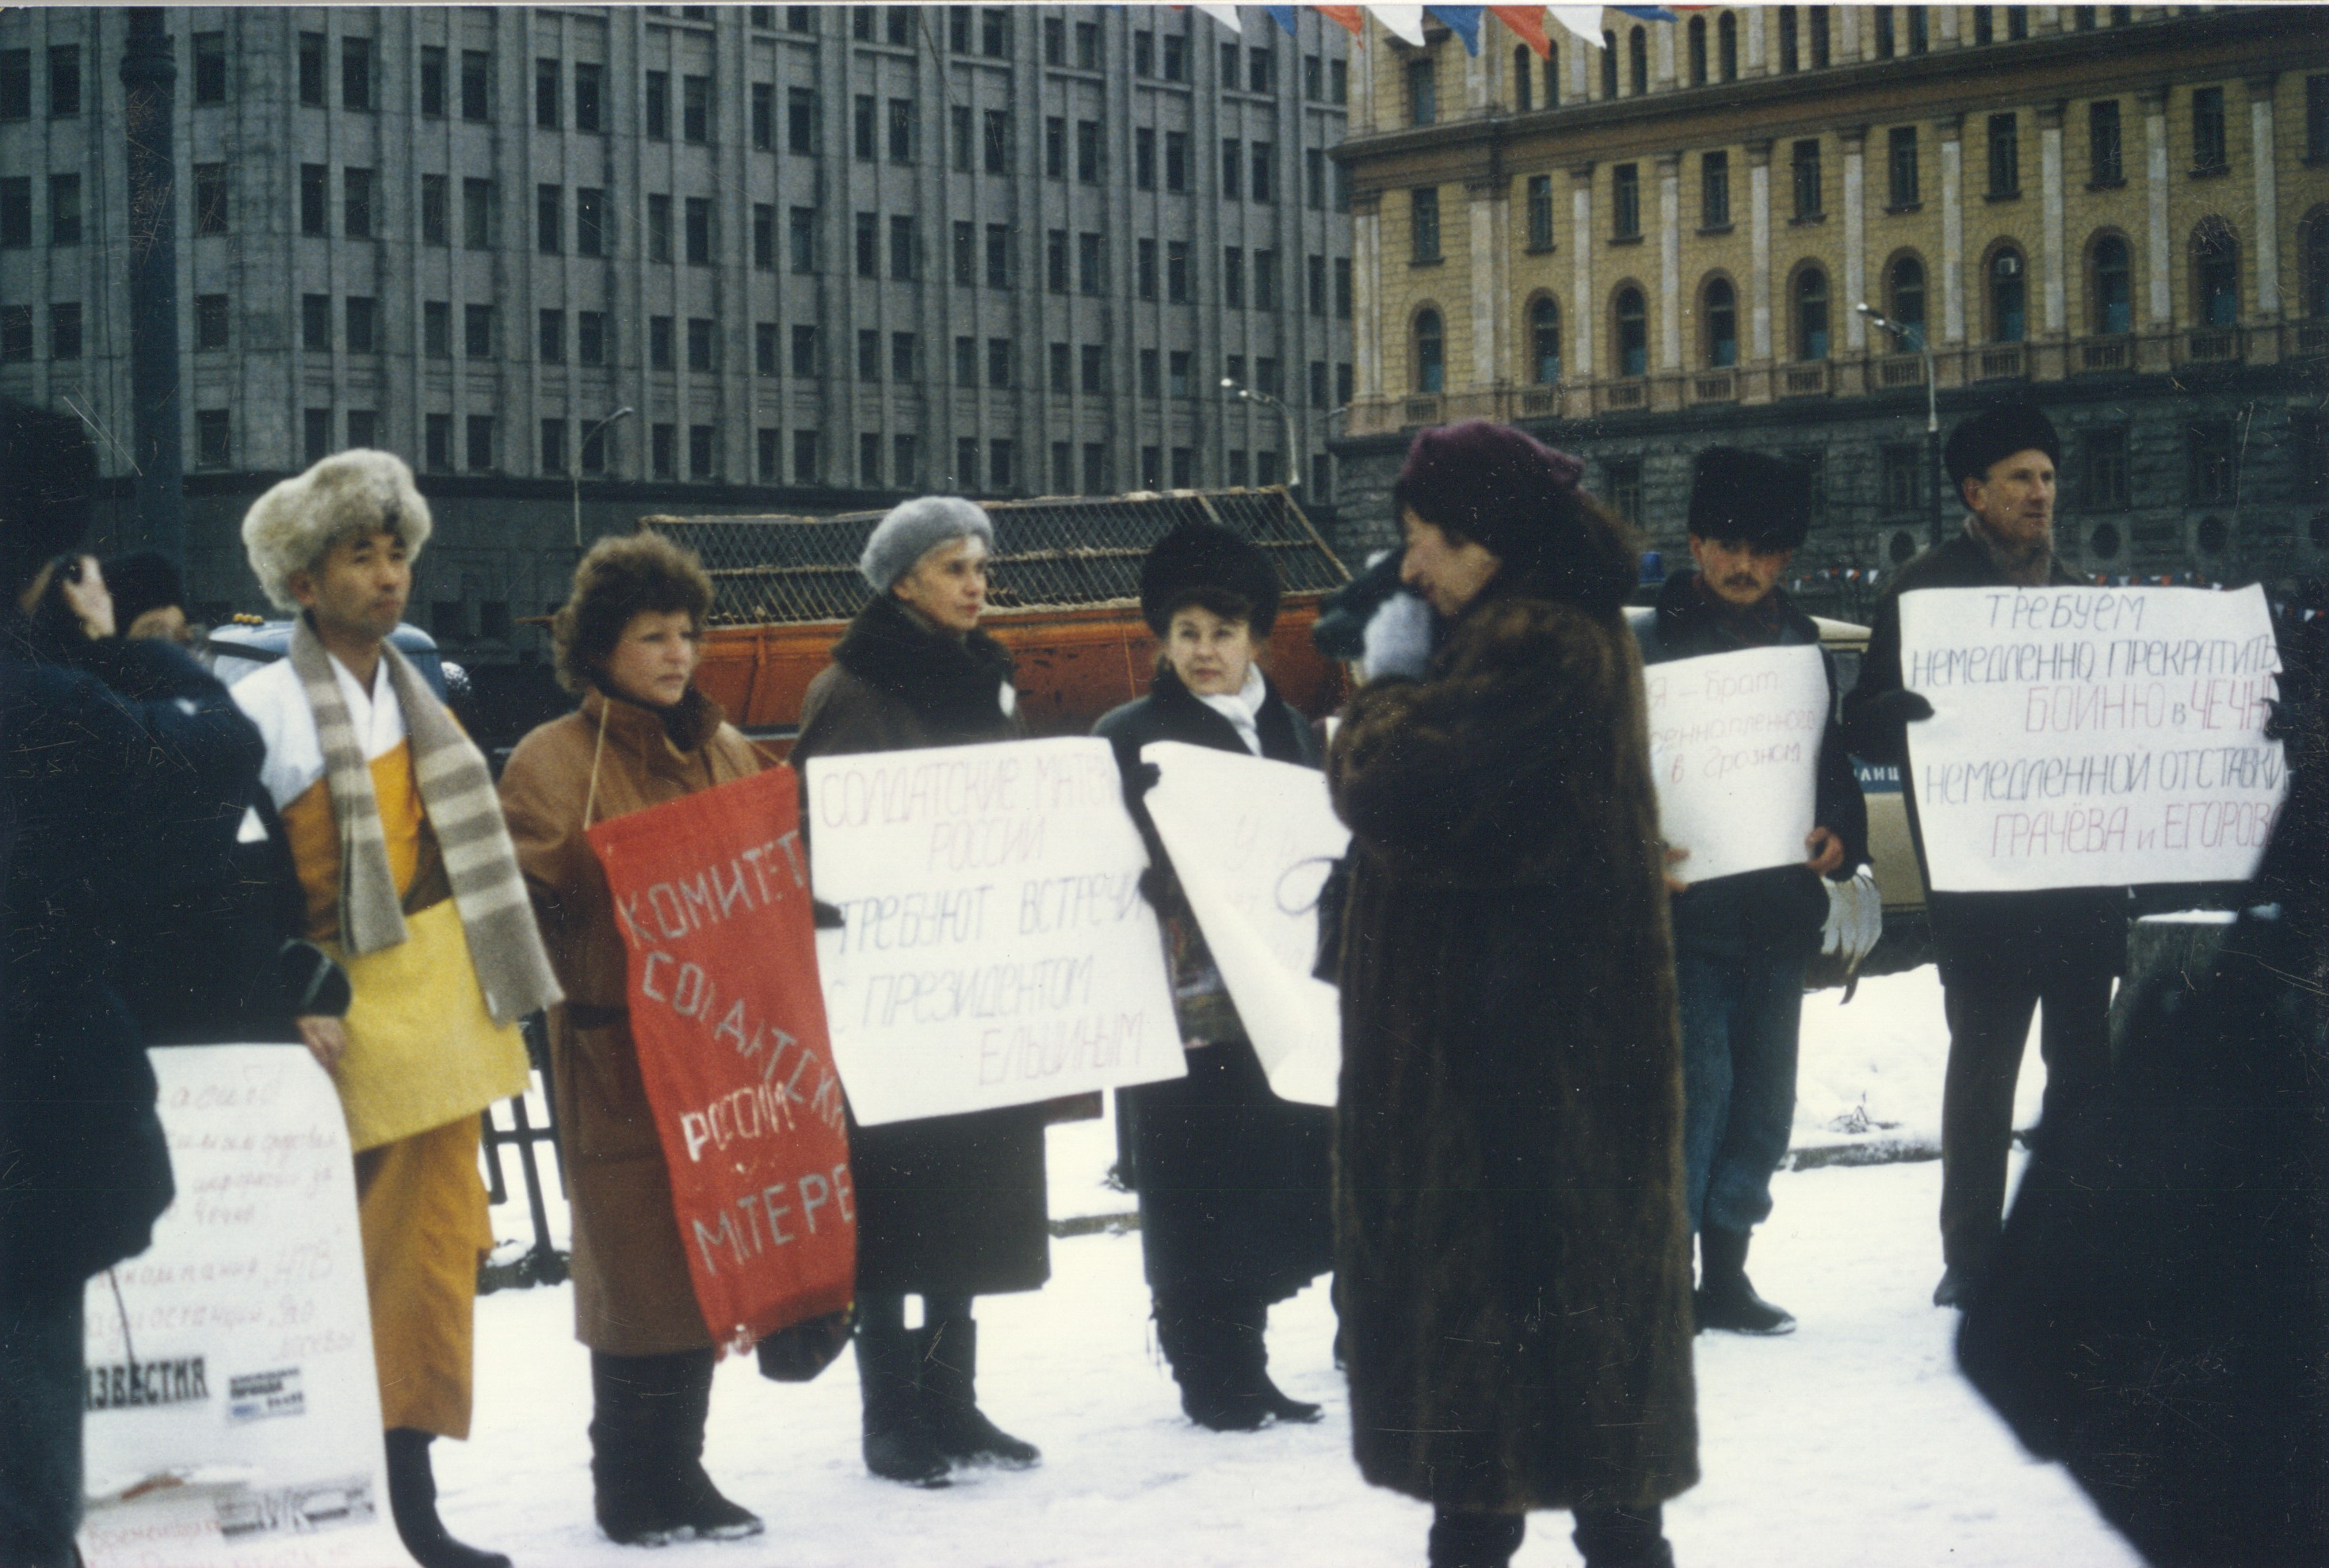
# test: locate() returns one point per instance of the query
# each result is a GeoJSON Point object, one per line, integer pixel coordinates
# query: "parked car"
{"type": "Point", "coordinates": [246, 643]}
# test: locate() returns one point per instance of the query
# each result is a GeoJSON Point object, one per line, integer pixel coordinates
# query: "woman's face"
{"type": "Point", "coordinates": [1210, 655]}
{"type": "Point", "coordinates": [655, 658]}
{"type": "Point", "coordinates": [948, 584]}
{"type": "Point", "coordinates": [1449, 576]}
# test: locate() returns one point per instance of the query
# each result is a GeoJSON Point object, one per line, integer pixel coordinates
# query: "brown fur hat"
{"type": "Point", "coordinates": [621, 575]}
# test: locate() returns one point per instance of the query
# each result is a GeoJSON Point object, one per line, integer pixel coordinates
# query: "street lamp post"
{"type": "Point", "coordinates": [575, 474]}
{"type": "Point", "coordinates": [1914, 336]}
{"type": "Point", "coordinates": [1294, 452]}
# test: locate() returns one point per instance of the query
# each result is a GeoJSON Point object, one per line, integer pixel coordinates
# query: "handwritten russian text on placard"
{"type": "Point", "coordinates": [995, 950]}
{"type": "Point", "coordinates": [1734, 747]}
{"type": "Point", "coordinates": [2091, 736]}
{"type": "Point", "coordinates": [232, 1407]}
{"type": "Point", "coordinates": [1251, 842]}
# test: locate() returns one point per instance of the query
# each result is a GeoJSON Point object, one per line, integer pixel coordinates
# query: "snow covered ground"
{"type": "Point", "coordinates": [1853, 1442]}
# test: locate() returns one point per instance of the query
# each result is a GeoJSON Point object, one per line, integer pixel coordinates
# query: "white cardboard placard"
{"type": "Point", "coordinates": [1734, 749]}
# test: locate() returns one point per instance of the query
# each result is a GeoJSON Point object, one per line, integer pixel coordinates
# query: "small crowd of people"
{"type": "Point", "coordinates": [1562, 1059]}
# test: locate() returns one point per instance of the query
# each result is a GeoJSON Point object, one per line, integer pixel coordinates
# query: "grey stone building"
{"type": "Point", "coordinates": [822, 255]}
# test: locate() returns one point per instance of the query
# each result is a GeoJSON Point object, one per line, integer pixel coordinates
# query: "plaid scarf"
{"type": "Point", "coordinates": [457, 790]}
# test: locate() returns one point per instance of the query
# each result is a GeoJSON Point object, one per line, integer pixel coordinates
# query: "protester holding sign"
{"type": "Point", "coordinates": [2001, 954]}
{"type": "Point", "coordinates": [1741, 941]}
{"type": "Point", "coordinates": [1232, 1179]}
{"type": "Point", "coordinates": [412, 883]}
{"type": "Point", "coordinates": [950, 1207]}
{"type": "Point", "coordinates": [626, 640]}
{"type": "Point", "coordinates": [1512, 1248]}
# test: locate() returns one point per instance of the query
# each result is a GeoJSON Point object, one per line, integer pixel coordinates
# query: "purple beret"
{"type": "Point", "coordinates": [1489, 483]}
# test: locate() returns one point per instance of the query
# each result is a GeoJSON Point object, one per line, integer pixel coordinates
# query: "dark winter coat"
{"type": "Point", "coordinates": [100, 792]}
{"type": "Point", "coordinates": [948, 1204]}
{"type": "Point", "coordinates": [1780, 910]}
{"type": "Point", "coordinates": [1512, 1246]}
{"type": "Point", "coordinates": [2154, 1318]}
{"type": "Point", "coordinates": [1232, 1180]}
{"type": "Point", "coordinates": [2048, 931]}
{"type": "Point", "coordinates": [633, 1294]}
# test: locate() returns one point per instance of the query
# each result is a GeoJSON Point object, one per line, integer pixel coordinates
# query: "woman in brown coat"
{"type": "Point", "coordinates": [1512, 1247]}
{"type": "Point", "coordinates": [628, 641]}
{"type": "Point", "coordinates": [949, 1207]}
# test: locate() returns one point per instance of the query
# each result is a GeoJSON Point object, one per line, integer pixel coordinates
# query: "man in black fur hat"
{"type": "Point", "coordinates": [2001, 954]}
{"type": "Point", "coordinates": [1741, 943]}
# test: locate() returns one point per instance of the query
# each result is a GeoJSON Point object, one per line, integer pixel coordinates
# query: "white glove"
{"type": "Point", "coordinates": [1398, 638]}
{"type": "Point", "coordinates": [1855, 919]}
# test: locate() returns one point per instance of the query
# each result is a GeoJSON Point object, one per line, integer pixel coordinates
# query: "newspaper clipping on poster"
{"type": "Point", "coordinates": [232, 1408]}
{"type": "Point", "coordinates": [2091, 736]}
{"type": "Point", "coordinates": [711, 894]}
{"type": "Point", "coordinates": [1251, 842]}
{"type": "Point", "coordinates": [1734, 749]}
{"type": "Point", "coordinates": [995, 949]}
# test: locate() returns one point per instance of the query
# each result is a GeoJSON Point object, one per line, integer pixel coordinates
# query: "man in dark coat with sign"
{"type": "Point", "coordinates": [1741, 943]}
{"type": "Point", "coordinates": [1512, 1249]}
{"type": "Point", "coordinates": [949, 1207]}
{"type": "Point", "coordinates": [1232, 1179]}
{"type": "Point", "coordinates": [2001, 954]}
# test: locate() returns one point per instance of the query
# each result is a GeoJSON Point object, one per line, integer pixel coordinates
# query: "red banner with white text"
{"type": "Point", "coordinates": [711, 894]}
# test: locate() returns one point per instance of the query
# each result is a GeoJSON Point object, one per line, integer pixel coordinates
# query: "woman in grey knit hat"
{"type": "Point", "coordinates": [951, 1207]}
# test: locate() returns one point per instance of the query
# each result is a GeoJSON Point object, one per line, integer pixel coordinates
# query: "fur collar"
{"type": "Point", "coordinates": [952, 686]}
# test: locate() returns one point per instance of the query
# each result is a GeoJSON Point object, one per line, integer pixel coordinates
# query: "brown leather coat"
{"type": "Point", "coordinates": [632, 1294]}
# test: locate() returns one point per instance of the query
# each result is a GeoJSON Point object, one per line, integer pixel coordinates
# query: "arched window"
{"type": "Point", "coordinates": [1544, 341]}
{"type": "Point", "coordinates": [1698, 51]}
{"type": "Point", "coordinates": [1633, 333]}
{"type": "Point", "coordinates": [2216, 273]}
{"type": "Point", "coordinates": [1726, 31]}
{"type": "Point", "coordinates": [1637, 61]}
{"type": "Point", "coordinates": [2114, 287]}
{"type": "Point", "coordinates": [2312, 258]}
{"type": "Point", "coordinates": [1906, 296]}
{"type": "Point", "coordinates": [1609, 65]}
{"type": "Point", "coordinates": [1523, 79]}
{"type": "Point", "coordinates": [1431, 352]}
{"type": "Point", "coordinates": [1552, 75]}
{"type": "Point", "coordinates": [1721, 316]}
{"type": "Point", "coordinates": [2009, 298]}
{"type": "Point", "coordinates": [1811, 314]}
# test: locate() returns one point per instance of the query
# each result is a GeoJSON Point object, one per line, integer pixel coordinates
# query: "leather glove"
{"type": "Point", "coordinates": [1143, 779]}
{"type": "Point", "coordinates": [2287, 719]}
{"type": "Point", "coordinates": [1896, 707]}
{"type": "Point", "coordinates": [1855, 918]}
{"type": "Point", "coordinates": [1397, 639]}
{"type": "Point", "coordinates": [824, 916]}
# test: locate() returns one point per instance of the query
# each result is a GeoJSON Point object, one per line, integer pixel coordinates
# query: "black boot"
{"type": "Point", "coordinates": [1460, 1540]}
{"type": "Point", "coordinates": [1253, 1323]}
{"type": "Point", "coordinates": [950, 1351]}
{"type": "Point", "coordinates": [631, 1398]}
{"type": "Point", "coordinates": [1200, 1339]}
{"type": "Point", "coordinates": [897, 1445]}
{"type": "Point", "coordinates": [1725, 1298]}
{"type": "Point", "coordinates": [707, 1515]}
{"type": "Point", "coordinates": [1622, 1538]}
{"type": "Point", "coordinates": [412, 1502]}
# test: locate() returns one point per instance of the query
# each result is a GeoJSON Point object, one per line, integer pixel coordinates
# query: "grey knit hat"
{"type": "Point", "coordinates": [912, 529]}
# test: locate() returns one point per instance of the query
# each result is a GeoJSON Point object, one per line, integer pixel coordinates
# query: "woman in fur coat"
{"type": "Point", "coordinates": [949, 1207]}
{"type": "Point", "coordinates": [1512, 1249]}
{"type": "Point", "coordinates": [1232, 1179]}
{"type": "Point", "coordinates": [644, 736]}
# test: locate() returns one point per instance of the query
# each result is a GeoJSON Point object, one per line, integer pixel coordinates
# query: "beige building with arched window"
{"type": "Point", "coordinates": [1658, 244]}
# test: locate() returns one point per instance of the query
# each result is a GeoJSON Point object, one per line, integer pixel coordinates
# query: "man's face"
{"type": "Point", "coordinates": [1736, 572]}
{"type": "Point", "coordinates": [359, 588]}
{"type": "Point", "coordinates": [2015, 499]}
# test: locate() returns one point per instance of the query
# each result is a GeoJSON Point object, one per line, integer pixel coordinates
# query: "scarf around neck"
{"type": "Point", "coordinates": [1242, 708]}
{"type": "Point", "coordinates": [457, 790]}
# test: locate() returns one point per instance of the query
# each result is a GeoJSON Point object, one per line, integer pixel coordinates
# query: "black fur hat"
{"type": "Point", "coordinates": [1738, 495]}
{"type": "Point", "coordinates": [48, 479]}
{"type": "Point", "coordinates": [1200, 559]}
{"type": "Point", "coordinates": [1996, 434]}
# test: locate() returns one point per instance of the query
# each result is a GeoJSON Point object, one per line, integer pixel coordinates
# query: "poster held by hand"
{"type": "Point", "coordinates": [711, 892]}
{"type": "Point", "coordinates": [1251, 842]}
{"type": "Point", "coordinates": [1734, 749]}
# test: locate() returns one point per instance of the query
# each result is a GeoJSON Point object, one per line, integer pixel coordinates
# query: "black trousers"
{"type": "Point", "coordinates": [1989, 1023]}
{"type": "Point", "coordinates": [1605, 1538]}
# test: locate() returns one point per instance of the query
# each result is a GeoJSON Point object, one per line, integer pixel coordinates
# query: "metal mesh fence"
{"type": "Point", "coordinates": [1050, 552]}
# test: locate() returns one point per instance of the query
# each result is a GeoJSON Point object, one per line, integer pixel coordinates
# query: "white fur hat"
{"type": "Point", "coordinates": [292, 527]}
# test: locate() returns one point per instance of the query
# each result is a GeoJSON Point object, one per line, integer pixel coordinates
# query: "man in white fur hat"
{"type": "Point", "coordinates": [412, 883]}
